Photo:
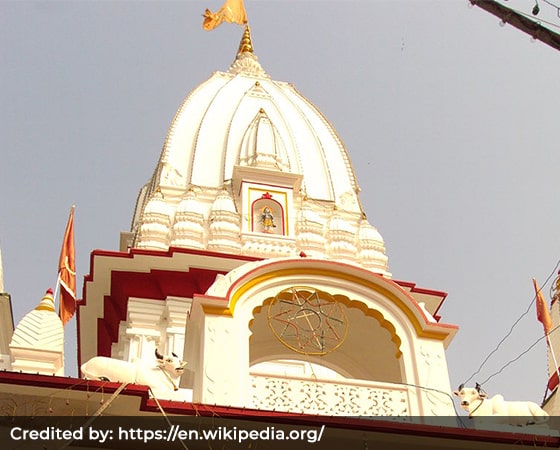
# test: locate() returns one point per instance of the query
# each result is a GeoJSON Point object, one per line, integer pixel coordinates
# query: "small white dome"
{"type": "Point", "coordinates": [369, 233]}
{"type": "Point", "coordinates": [224, 202]}
{"type": "Point", "coordinates": [157, 205]}
{"type": "Point", "coordinates": [190, 204]}
{"type": "Point", "coordinates": [307, 214]}
{"type": "Point", "coordinates": [338, 223]}
{"type": "Point", "coordinates": [41, 328]}
{"type": "Point", "coordinates": [262, 145]}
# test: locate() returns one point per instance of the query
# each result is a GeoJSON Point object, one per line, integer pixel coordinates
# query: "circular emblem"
{"type": "Point", "coordinates": [307, 320]}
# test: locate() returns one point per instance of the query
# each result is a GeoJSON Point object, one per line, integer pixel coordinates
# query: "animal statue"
{"type": "Point", "coordinates": [162, 378]}
{"type": "Point", "coordinates": [518, 413]}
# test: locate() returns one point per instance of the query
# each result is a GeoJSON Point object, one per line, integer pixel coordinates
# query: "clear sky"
{"type": "Point", "coordinates": [450, 120]}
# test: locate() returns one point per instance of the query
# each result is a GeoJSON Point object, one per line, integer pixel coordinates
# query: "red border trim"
{"type": "Point", "coordinates": [149, 405]}
{"type": "Point", "coordinates": [426, 291]}
{"type": "Point", "coordinates": [153, 284]}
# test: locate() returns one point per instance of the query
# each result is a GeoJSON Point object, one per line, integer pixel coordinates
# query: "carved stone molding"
{"type": "Point", "coordinates": [327, 398]}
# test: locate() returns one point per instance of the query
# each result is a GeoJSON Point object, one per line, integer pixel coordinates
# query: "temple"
{"type": "Point", "coordinates": [251, 258]}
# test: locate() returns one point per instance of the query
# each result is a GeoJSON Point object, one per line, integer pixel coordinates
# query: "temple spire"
{"type": "Point", "coordinates": [246, 62]}
{"type": "Point", "coordinates": [1, 274]}
{"type": "Point", "coordinates": [246, 44]}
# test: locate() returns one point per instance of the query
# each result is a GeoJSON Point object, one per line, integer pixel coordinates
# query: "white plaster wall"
{"type": "Point", "coordinates": [218, 344]}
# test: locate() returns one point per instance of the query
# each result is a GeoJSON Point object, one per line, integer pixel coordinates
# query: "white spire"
{"type": "Point", "coordinates": [1, 273]}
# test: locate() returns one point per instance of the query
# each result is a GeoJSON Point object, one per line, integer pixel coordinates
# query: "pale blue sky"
{"type": "Point", "coordinates": [450, 120]}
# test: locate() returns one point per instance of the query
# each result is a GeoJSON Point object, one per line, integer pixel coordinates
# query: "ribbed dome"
{"type": "Point", "coordinates": [247, 143]}
{"type": "Point", "coordinates": [40, 329]}
{"type": "Point", "coordinates": [204, 141]}
{"type": "Point", "coordinates": [262, 145]}
{"type": "Point", "coordinates": [190, 204]}
{"type": "Point", "coordinates": [155, 223]}
{"type": "Point", "coordinates": [369, 233]}
{"type": "Point", "coordinates": [371, 247]}
{"type": "Point", "coordinates": [188, 229]}
{"type": "Point", "coordinates": [309, 215]}
{"type": "Point", "coordinates": [157, 205]}
{"type": "Point", "coordinates": [224, 203]}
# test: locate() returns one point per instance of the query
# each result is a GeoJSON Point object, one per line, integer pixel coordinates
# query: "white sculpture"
{"type": "Point", "coordinates": [519, 413]}
{"type": "Point", "coordinates": [162, 378]}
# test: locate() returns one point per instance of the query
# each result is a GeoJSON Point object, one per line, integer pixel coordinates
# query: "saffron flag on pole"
{"type": "Point", "coordinates": [543, 314]}
{"type": "Point", "coordinates": [232, 11]}
{"type": "Point", "coordinates": [67, 272]}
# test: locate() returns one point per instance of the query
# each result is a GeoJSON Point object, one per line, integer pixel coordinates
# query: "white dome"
{"type": "Point", "coordinates": [262, 145]}
{"type": "Point", "coordinates": [368, 233]}
{"type": "Point", "coordinates": [239, 133]}
{"type": "Point", "coordinates": [190, 204]}
{"type": "Point", "coordinates": [307, 214]}
{"type": "Point", "coordinates": [224, 203]}
{"type": "Point", "coordinates": [41, 328]}
{"type": "Point", "coordinates": [155, 224]}
{"type": "Point", "coordinates": [338, 223]}
{"type": "Point", "coordinates": [209, 134]}
{"type": "Point", "coordinates": [157, 205]}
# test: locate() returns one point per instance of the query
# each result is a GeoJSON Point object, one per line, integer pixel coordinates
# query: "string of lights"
{"type": "Point", "coordinates": [537, 28]}
{"type": "Point", "coordinates": [536, 10]}
{"type": "Point", "coordinates": [548, 2]}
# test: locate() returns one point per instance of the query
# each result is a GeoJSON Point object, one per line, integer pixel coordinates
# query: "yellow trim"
{"type": "Point", "coordinates": [45, 308]}
{"type": "Point", "coordinates": [229, 311]}
{"type": "Point", "coordinates": [377, 315]}
{"type": "Point", "coordinates": [217, 310]}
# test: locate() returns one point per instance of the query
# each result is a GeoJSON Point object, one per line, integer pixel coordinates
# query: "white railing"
{"type": "Point", "coordinates": [329, 397]}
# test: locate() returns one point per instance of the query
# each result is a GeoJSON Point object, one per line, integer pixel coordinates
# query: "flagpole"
{"type": "Point", "coordinates": [543, 315]}
{"type": "Point", "coordinates": [549, 342]}
{"type": "Point", "coordinates": [57, 286]}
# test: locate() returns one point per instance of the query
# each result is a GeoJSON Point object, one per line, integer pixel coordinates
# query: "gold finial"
{"type": "Point", "coordinates": [246, 44]}
{"type": "Point", "coordinates": [47, 302]}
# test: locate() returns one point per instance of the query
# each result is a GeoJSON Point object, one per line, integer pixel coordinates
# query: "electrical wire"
{"type": "Point", "coordinates": [508, 334]}
{"type": "Point", "coordinates": [532, 17]}
{"type": "Point", "coordinates": [554, 6]}
{"type": "Point", "coordinates": [439, 392]}
{"type": "Point", "coordinates": [519, 356]}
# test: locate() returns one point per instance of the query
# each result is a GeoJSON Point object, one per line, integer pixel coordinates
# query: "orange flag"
{"type": "Point", "coordinates": [233, 11]}
{"type": "Point", "coordinates": [67, 272]}
{"type": "Point", "coordinates": [543, 314]}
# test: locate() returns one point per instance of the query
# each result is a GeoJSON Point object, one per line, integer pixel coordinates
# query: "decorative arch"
{"type": "Point", "coordinates": [343, 277]}
{"type": "Point", "coordinates": [387, 331]}
{"type": "Point", "coordinates": [366, 346]}
{"type": "Point", "coordinates": [268, 216]}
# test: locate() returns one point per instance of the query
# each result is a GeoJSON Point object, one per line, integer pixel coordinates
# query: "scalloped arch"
{"type": "Point", "coordinates": [356, 304]}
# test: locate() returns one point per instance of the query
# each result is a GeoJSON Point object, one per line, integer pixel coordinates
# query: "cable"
{"type": "Point", "coordinates": [554, 6]}
{"type": "Point", "coordinates": [519, 356]}
{"type": "Point", "coordinates": [512, 327]}
{"type": "Point", "coordinates": [438, 391]}
{"type": "Point", "coordinates": [532, 17]}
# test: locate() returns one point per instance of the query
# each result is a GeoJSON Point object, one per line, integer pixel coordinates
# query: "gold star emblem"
{"type": "Point", "coordinates": [307, 320]}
